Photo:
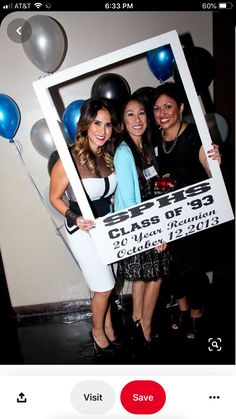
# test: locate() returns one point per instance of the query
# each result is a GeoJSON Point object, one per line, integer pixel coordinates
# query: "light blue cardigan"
{"type": "Point", "coordinates": [127, 192]}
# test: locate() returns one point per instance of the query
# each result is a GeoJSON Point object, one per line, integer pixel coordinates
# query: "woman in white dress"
{"type": "Point", "coordinates": [92, 156]}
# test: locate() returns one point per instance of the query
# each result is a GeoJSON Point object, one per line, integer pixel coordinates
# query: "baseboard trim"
{"type": "Point", "coordinates": [64, 311]}
{"type": "Point", "coordinates": [48, 310]}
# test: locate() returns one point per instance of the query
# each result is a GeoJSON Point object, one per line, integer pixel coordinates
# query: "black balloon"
{"type": "Point", "coordinates": [111, 86]}
{"type": "Point", "coordinates": [144, 93]}
{"type": "Point", "coordinates": [218, 127]}
{"type": "Point", "coordinates": [201, 66]}
{"type": "Point", "coordinates": [52, 160]}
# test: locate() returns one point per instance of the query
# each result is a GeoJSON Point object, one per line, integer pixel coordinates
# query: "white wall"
{"type": "Point", "coordinates": [38, 266]}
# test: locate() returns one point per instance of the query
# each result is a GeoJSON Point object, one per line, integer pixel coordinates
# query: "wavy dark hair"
{"type": "Point", "coordinates": [147, 142]}
{"type": "Point", "coordinates": [170, 89]}
{"type": "Point", "coordinates": [82, 150]}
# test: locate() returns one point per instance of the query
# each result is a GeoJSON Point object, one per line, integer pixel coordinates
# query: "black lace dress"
{"type": "Point", "coordinates": [148, 265]}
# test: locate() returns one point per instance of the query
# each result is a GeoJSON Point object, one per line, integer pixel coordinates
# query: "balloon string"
{"type": "Point", "coordinates": [43, 75]}
{"type": "Point", "coordinates": [19, 147]}
{"type": "Point", "coordinates": [27, 172]}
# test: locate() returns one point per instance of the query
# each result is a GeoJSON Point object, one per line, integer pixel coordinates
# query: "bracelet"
{"type": "Point", "coordinates": [71, 216]}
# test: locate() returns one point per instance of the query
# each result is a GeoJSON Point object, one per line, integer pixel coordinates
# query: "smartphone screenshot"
{"type": "Point", "coordinates": [117, 273]}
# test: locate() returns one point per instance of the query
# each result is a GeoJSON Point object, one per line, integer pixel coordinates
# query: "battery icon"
{"type": "Point", "coordinates": [227, 5]}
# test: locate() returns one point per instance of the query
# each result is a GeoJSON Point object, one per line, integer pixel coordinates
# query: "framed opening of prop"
{"type": "Point", "coordinates": [180, 213]}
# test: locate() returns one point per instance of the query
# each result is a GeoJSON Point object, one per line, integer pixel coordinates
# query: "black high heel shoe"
{"type": "Point", "coordinates": [134, 325]}
{"type": "Point", "coordinates": [180, 322]}
{"type": "Point", "coordinates": [140, 336]}
{"type": "Point", "coordinates": [115, 344]}
{"type": "Point", "coordinates": [102, 352]}
{"type": "Point", "coordinates": [195, 328]}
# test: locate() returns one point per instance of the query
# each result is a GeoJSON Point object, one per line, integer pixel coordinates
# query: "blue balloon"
{"type": "Point", "coordinates": [70, 118]}
{"type": "Point", "coordinates": [160, 61]}
{"type": "Point", "coordinates": [9, 117]}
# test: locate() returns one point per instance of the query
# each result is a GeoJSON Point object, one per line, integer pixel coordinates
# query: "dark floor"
{"type": "Point", "coordinates": [64, 338]}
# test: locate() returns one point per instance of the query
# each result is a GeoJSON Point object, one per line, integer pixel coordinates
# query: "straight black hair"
{"type": "Point", "coordinates": [146, 138]}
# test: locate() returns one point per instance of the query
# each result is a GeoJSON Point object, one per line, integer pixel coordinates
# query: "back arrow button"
{"type": "Point", "coordinates": [18, 30]}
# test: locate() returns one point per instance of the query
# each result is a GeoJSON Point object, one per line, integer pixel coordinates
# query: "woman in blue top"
{"type": "Point", "coordinates": [132, 158]}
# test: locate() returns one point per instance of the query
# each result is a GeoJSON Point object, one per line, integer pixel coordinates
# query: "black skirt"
{"type": "Point", "coordinates": [145, 266]}
{"type": "Point", "coordinates": [148, 265]}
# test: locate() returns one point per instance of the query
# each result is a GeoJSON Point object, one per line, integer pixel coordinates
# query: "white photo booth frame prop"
{"type": "Point", "coordinates": [165, 218]}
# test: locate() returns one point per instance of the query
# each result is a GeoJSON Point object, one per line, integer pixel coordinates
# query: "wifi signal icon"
{"type": "Point", "coordinates": [38, 5]}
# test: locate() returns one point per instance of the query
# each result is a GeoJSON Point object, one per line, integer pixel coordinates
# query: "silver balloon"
{"type": "Point", "coordinates": [46, 46]}
{"type": "Point", "coordinates": [41, 138]}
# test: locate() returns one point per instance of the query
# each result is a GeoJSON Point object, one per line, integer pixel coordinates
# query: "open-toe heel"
{"type": "Point", "coordinates": [195, 327]}
{"type": "Point", "coordinates": [180, 322]}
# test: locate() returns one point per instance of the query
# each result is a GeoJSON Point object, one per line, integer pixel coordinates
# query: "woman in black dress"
{"type": "Point", "coordinates": [182, 161]}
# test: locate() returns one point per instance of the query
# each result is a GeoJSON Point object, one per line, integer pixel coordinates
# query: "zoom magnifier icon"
{"type": "Point", "coordinates": [215, 344]}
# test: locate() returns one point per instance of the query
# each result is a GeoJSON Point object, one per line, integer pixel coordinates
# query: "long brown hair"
{"type": "Point", "coordinates": [82, 150]}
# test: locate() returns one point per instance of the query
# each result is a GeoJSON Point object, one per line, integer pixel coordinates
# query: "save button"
{"type": "Point", "coordinates": [143, 397]}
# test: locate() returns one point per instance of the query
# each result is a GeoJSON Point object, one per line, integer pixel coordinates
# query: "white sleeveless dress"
{"type": "Point", "coordinates": [97, 276]}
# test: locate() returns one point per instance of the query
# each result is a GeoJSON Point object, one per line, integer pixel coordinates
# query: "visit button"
{"type": "Point", "coordinates": [143, 397]}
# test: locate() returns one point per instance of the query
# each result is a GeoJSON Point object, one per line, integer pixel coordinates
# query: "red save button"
{"type": "Point", "coordinates": [143, 397]}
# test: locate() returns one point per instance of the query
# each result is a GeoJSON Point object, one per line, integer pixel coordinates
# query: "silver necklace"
{"type": "Point", "coordinates": [169, 150]}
